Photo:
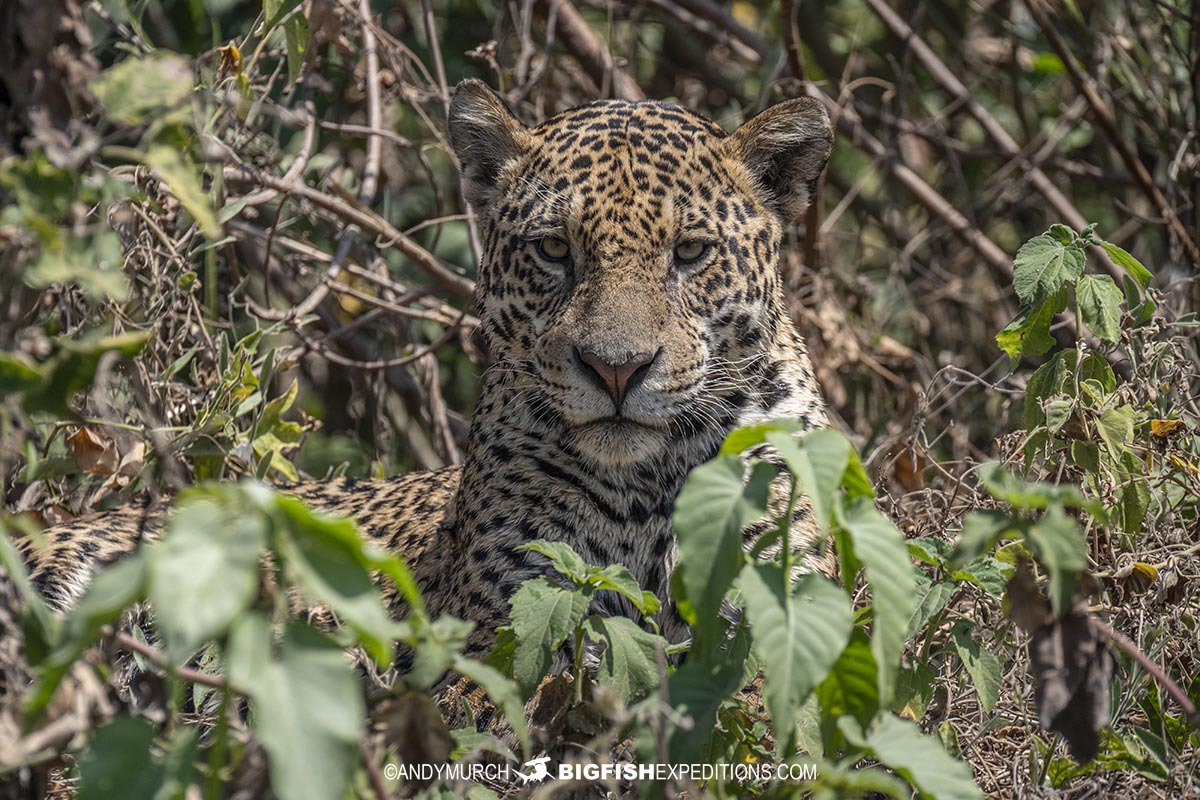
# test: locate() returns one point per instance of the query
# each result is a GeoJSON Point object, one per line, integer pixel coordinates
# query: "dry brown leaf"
{"type": "Point", "coordinates": [413, 725]}
{"type": "Point", "coordinates": [95, 454]}
{"type": "Point", "coordinates": [1072, 669]}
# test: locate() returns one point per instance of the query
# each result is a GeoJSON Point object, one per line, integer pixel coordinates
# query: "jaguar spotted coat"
{"type": "Point", "coordinates": [630, 297]}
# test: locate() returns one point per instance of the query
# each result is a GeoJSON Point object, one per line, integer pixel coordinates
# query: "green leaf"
{"type": "Point", "coordinates": [436, 645]}
{"type": "Point", "coordinates": [1029, 332]}
{"type": "Point", "coordinates": [914, 690]}
{"type": "Point", "coordinates": [852, 686]}
{"type": "Point", "coordinates": [73, 368]}
{"type": "Point", "coordinates": [110, 592]}
{"type": "Point", "coordinates": [617, 578]}
{"type": "Point", "coordinates": [140, 89]}
{"type": "Point", "coordinates": [503, 692]}
{"type": "Point", "coordinates": [204, 572]}
{"type": "Point", "coordinates": [1115, 427]}
{"type": "Point", "coordinates": [984, 668]}
{"type": "Point", "coordinates": [307, 706]}
{"type": "Point", "coordinates": [880, 546]}
{"type": "Point", "coordinates": [989, 574]}
{"type": "Point", "coordinates": [919, 759]}
{"type": "Point", "coordinates": [182, 178]}
{"type": "Point", "coordinates": [931, 598]}
{"type": "Point", "coordinates": [119, 762]}
{"type": "Point", "coordinates": [1032, 495]}
{"type": "Point", "coordinates": [562, 558]}
{"type": "Point", "coordinates": [295, 29]}
{"type": "Point", "coordinates": [1086, 455]}
{"type": "Point", "coordinates": [543, 615]}
{"type": "Point", "coordinates": [698, 688]}
{"type": "Point", "coordinates": [1058, 544]}
{"type": "Point", "coordinates": [1135, 494]}
{"type": "Point", "coordinates": [18, 374]}
{"type": "Point", "coordinates": [630, 663]}
{"type": "Point", "coordinates": [1100, 306]}
{"type": "Point", "coordinates": [797, 636]}
{"type": "Point", "coordinates": [1128, 263]}
{"type": "Point", "coordinates": [981, 530]}
{"type": "Point", "coordinates": [1057, 414]}
{"type": "Point", "coordinates": [710, 513]}
{"type": "Point", "coordinates": [742, 439]}
{"type": "Point", "coordinates": [1045, 382]}
{"type": "Point", "coordinates": [329, 561]}
{"type": "Point", "coordinates": [818, 462]}
{"type": "Point", "coordinates": [1043, 265]}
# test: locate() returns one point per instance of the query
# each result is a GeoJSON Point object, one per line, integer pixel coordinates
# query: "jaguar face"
{"type": "Point", "coordinates": [629, 274]}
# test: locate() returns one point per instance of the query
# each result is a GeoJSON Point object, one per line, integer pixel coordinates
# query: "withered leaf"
{"type": "Point", "coordinates": [95, 454]}
{"type": "Point", "coordinates": [414, 726]}
{"type": "Point", "coordinates": [1166, 428]}
{"type": "Point", "coordinates": [1072, 669]}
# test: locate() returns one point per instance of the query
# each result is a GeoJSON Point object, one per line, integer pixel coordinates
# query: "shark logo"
{"type": "Point", "coordinates": [537, 770]}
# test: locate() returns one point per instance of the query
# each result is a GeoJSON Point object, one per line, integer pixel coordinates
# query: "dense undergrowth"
{"type": "Point", "coordinates": [240, 255]}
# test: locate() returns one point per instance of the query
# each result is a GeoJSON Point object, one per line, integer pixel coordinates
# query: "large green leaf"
{"type": "Point", "coordinates": [330, 563]}
{"type": "Point", "coordinates": [543, 615]}
{"type": "Point", "coordinates": [617, 578]}
{"type": "Point", "coordinates": [1100, 306]}
{"type": "Point", "coordinates": [899, 744]}
{"type": "Point", "coordinates": [204, 572]}
{"type": "Point", "coordinates": [562, 557]}
{"type": "Point", "coordinates": [852, 686]}
{"type": "Point", "coordinates": [1058, 544]}
{"type": "Point", "coordinates": [119, 763]}
{"type": "Point", "coordinates": [710, 513]}
{"type": "Point", "coordinates": [1128, 263]}
{"type": "Point", "coordinates": [797, 635]}
{"type": "Point", "coordinates": [697, 690]}
{"type": "Point", "coordinates": [880, 546]}
{"type": "Point", "coordinates": [818, 464]}
{"type": "Point", "coordinates": [630, 664]}
{"type": "Point", "coordinates": [1116, 426]}
{"type": "Point", "coordinates": [140, 89]}
{"type": "Point", "coordinates": [307, 703]}
{"type": "Point", "coordinates": [1043, 265]}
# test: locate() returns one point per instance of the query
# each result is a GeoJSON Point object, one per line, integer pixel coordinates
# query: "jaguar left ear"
{"type": "Point", "coordinates": [785, 148]}
{"type": "Point", "coordinates": [486, 138]}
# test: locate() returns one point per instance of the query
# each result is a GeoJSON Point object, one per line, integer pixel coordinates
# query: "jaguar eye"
{"type": "Point", "coordinates": [552, 248]}
{"type": "Point", "coordinates": [689, 252]}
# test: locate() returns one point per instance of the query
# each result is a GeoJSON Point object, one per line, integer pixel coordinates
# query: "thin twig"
{"type": "Point", "coordinates": [373, 775]}
{"type": "Point", "coordinates": [946, 78]}
{"type": "Point", "coordinates": [1086, 86]}
{"type": "Point", "coordinates": [590, 50]}
{"type": "Point", "coordinates": [369, 221]}
{"type": "Point", "coordinates": [127, 642]}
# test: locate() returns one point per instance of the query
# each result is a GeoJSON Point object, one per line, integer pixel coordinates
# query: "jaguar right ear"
{"type": "Point", "coordinates": [486, 138]}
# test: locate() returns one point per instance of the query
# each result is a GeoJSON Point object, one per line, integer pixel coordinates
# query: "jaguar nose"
{"type": "Point", "coordinates": [617, 379]}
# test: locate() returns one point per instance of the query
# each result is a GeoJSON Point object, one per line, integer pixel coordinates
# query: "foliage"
{"type": "Point", "coordinates": [191, 295]}
{"type": "Point", "coordinates": [215, 606]}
